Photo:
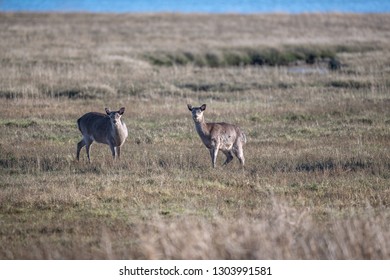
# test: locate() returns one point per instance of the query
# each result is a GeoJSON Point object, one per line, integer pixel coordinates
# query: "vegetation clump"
{"type": "Point", "coordinates": [283, 56]}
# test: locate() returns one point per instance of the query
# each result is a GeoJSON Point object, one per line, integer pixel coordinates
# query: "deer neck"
{"type": "Point", "coordinates": [119, 132]}
{"type": "Point", "coordinates": [202, 128]}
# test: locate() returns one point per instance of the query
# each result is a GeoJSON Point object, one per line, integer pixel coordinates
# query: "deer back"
{"type": "Point", "coordinates": [96, 126]}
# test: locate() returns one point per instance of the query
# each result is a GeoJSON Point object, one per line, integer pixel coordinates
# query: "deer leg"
{"type": "Point", "coordinates": [239, 152]}
{"type": "Point", "coordinates": [112, 147]}
{"type": "Point", "coordinates": [87, 146]}
{"type": "Point", "coordinates": [213, 154]}
{"type": "Point", "coordinates": [229, 157]}
{"type": "Point", "coordinates": [80, 145]}
{"type": "Point", "coordinates": [118, 152]}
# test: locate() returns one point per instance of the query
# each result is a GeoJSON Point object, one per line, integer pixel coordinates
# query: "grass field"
{"type": "Point", "coordinates": [310, 91]}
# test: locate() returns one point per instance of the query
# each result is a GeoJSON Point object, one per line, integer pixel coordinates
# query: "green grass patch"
{"type": "Point", "coordinates": [281, 56]}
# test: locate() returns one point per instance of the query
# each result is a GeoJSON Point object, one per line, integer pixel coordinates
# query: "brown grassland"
{"type": "Point", "coordinates": [311, 91]}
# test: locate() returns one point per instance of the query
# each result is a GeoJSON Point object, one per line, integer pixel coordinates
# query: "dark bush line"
{"type": "Point", "coordinates": [247, 57]}
{"type": "Point", "coordinates": [230, 87]}
{"type": "Point", "coordinates": [27, 164]}
{"type": "Point", "coordinates": [352, 165]}
{"type": "Point", "coordinates": [351, 84]}
{"type": "Point", "coordinates": [10, 94]}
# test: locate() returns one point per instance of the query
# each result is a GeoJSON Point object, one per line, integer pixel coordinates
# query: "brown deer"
{"type": "Point", "coordinates": [103, 128]}
{"type": "Point", "coordinates": [219, 136]}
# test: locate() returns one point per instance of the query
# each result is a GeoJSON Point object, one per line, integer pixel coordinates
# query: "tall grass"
{"type": "Point", "coordinates": [311, 93]}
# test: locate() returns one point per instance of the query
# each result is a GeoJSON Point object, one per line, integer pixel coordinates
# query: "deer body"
{"type": "Point", "coordinates": [103, 128]}
{"type": "Point", "coordinates": [219, 136]}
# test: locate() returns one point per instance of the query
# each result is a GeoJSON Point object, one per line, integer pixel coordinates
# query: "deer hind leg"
{"type": "Point", "coordinates": [87, 147]}
{"type": "Point", "coordinates": [239, 152]}
{"type": "Point", "coordinates": [229, 157]}
{"type": "Point", "coordinates": [80, 145]}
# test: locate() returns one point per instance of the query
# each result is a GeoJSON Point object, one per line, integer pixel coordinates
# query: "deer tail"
{"type": "Point", "coordinates": [243, 137]}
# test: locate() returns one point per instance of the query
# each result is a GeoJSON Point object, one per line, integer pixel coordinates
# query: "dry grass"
{"type": "Point", "coordinates": [316, 183]}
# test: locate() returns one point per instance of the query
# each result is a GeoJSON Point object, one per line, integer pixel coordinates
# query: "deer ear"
{"type": "Point", "coordinates": [189, 107]}
{"type": "Point", "coordinates": [121, 110]}
{"type": "Point", "coordinates": [203, 107]}
{"type": "Point", "coordinates": [107, 111]}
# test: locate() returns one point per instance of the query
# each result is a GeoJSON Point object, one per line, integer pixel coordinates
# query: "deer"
{"type": "Point", "coordinates": [103, 128]}
{"type": "Point", "coordinates": [219, 136]}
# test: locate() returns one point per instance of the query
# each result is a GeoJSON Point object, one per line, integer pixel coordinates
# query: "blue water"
{"type": "Point", "coordinates": [199, 6]}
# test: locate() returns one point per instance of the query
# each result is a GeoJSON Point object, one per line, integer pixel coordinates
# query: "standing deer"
{"type": "Point", "coordinates": [219, 136]}
{"type": "Point", "coordinates": [106, 129]}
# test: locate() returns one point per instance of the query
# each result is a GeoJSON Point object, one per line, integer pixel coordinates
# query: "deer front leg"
{"type": "Point", "coordinates": [213, 154]}
{"type": "Point", "coordinates": [112, 147]}
{"type": "Point", "coordinates": [118, 152]}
